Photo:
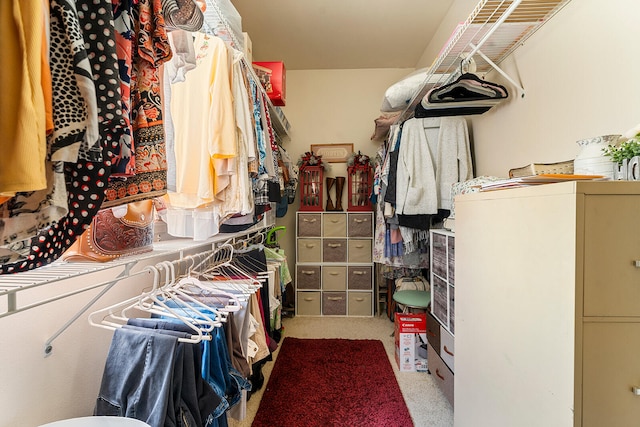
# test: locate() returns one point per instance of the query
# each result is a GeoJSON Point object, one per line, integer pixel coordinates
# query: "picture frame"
{"type": "Point", "coordinates": [333, 153]}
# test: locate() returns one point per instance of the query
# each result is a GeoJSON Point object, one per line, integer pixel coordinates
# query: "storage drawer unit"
{"type": "Point", "coordinates": [334, 225]}
{"type": "Point", "coordinates": [308, 276]}
{"type": "Point", "coordinates": [360, 250]}
{"type": "Point", "coordinates": [334, 278]}
{"type": "Point", "coordinates": [441, 318]}
{"type": "Point", "coordinates": [334, 303]}
{"type": "Point", "coordinates": [360, 304]}
{"type": "Point", "coordinates": [360, 225]}
{"type": "Point", "coordinates": [334, 257]}
{"type": "Point", "coordinates": [360, 277]}
{"type": "Point", "coordinates": [309, 250]}
{"type": "Point", "coordinates": [334, 250]}
{"type": "Point", "coordinates": [310, 225]}
{"type": "Point", "coordinates": [308, 303]}
{"type": "Point", "coordinates": [442, 374]}
{"type": "Point", "coordinates": [548, 308]}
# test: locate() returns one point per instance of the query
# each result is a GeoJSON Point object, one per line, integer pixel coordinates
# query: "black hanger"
{"type": "Point", "coordinates": [467, 87]}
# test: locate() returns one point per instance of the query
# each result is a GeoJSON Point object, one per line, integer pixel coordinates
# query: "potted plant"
{"type": "Point", "coordinates": [625, 155]}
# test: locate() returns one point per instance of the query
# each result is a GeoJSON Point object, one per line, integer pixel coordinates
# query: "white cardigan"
{"type": "Point", "coordinates": [429, 165]}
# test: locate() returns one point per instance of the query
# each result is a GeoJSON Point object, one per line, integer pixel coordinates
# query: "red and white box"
{"type": "Point", "coordinates": [273, 77]}
{"type": "Point", "coordinates": [408, 327]}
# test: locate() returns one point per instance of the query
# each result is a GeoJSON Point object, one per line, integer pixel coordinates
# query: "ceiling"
{"type": "Point", "coordinates": [341, 34]}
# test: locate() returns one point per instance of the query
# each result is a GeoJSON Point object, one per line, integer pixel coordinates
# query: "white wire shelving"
{"type": "Point", "coordinates": [493, 30]}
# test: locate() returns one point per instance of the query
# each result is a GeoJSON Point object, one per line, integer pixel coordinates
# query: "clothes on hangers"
{"type": "Point", "coordinates": [414, 175]}
{"type": "Point", "coordinates": [152, 377]}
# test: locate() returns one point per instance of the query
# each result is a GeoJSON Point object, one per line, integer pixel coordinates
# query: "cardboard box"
{"type": "Point", "coordinates": [273, 77]}
{"type": "Point", "coordinates": [408, 327]}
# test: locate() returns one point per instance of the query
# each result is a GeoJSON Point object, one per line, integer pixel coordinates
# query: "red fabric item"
{"type": "Point", "coordinates": [332, 382]}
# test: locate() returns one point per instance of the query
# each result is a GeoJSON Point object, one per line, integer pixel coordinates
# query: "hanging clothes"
{"type": "Point", "coordinates": [150, 50]}
{"type": "Point", "coordinates": [23, 110]}
{"type": "Point", "coordinates": [85, 180]}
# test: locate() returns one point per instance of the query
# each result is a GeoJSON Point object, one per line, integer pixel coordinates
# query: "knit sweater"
{"type": "Point", "coordinates": [433, 154]}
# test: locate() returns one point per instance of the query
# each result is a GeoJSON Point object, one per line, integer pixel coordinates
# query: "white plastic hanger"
{"type": "Point", "coordinates": [140, 302]}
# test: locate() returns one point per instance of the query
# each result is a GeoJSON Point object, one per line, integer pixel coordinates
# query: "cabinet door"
{"type": "Point", "coordinates": [611, 365]}
{"type": "Point", "coordinates": [611, 244]}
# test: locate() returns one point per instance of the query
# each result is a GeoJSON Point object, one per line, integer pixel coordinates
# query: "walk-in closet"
{"type": "Point", "coordinates": [289, 213]}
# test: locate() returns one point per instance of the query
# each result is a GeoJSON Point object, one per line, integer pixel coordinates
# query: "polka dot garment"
{"type": "Point", "coordinates": [86, 180]}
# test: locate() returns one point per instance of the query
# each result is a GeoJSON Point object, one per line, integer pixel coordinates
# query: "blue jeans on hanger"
{"type": "Point", "coordinates": [174, 324]}
{"type": "Point", "coordinates": [137, 376]}
{"type": "Point", "coordinates": [192, 401]}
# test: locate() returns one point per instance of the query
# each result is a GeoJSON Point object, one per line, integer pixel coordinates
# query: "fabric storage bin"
{"type": "Point", "coordinates": [360, 277]}
{"type": "Point", "coordinates": [308, 277]}
{"type": "Point", "coordinates": [359, 250]}
{"type": "Point", "coordinates": [334, 250]}
{"type": "Point", "coordinates": [334, 278]}
{"type": "Point", "coordinates": [309, 250]}
{"type": "Point", "coordinates": [439, 300]}
{"type": "Point", "coordinates": [452, 311]}
{"type": "Point", "coordinates": [308, 303]}
{"type": "Point", "coordinates": [334, 303]}
{"type": "Point", "coordinates": [360, 225]}
{"type": "Point", "coordinates": [335, 225]}
{"type": "Point", "coordinates": [309, 225]}
{"type": "Point", "coordinates": [451, 251]}
{"type": "Point", "coordinates": [360, 304]}
{"type": "Point", "coordinates": [439, 255]}
{"type": "Point", "coordinates": [433, 331]}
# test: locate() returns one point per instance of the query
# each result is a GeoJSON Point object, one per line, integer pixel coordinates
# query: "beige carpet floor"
{"type": "Point", "coordinates": [426, 403]}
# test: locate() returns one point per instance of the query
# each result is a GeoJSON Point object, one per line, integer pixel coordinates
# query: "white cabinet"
{"type": "Point", "coordinates": [334, 269]}
{"type": "Point", "coordinates": [441, 319]}
{"type": "Point", "coordinates": [548, 306]}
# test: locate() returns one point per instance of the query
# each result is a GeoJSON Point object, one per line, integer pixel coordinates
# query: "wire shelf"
{"type": "Point", "coordinates": [495, 28]}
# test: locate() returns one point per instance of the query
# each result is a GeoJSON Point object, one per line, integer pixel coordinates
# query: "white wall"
{"type": "Point", "coordinates": [580, 74]}
{"type": "Point", "coordinates": [332, 107]}
{"type": "Point", "coordinates": [35, 389]}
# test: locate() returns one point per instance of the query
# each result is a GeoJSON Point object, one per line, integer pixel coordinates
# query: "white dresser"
{"type": "Point", "coordinates": [548, 306]}
{"type": "Point", "coordinates": [441, 318]}
{"type": "Point", "coordinates": [334, 264]}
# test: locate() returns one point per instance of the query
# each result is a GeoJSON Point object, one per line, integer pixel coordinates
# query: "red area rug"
{"type": "Point", "coordinates": [332, 382]}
